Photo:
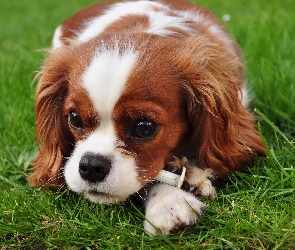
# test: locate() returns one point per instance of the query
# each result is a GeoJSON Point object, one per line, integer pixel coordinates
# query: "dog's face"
{"type": "Point", "coordinates": [127, 119]}
{"type": "Point", "coordinates": [113, 110]}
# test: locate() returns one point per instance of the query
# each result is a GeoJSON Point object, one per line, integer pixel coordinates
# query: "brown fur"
{"type": "Point", "coordinates": [190, 85]}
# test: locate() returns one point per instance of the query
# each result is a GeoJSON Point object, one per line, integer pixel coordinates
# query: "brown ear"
{"type": "Point", "coordinates": [53, 138]}
{"type": "Point", "coordinates": [223, 130]}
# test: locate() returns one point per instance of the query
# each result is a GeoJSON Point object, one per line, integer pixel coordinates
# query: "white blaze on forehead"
{"type": "Point", "coordinates": [106, 76]}
{"type": "Point", "coordinates": [105, 79]}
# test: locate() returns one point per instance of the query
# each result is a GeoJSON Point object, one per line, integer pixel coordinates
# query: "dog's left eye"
{"type": "Point", "coordinates": [144, 129]}
{"type": "Point", "coordinates": [75, 121]}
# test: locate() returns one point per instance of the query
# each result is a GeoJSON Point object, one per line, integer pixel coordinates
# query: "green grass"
{"type": "Point", "coordinates": [255, 210]}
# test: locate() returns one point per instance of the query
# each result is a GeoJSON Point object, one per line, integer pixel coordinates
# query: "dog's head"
{"type": "Point", "coordinates": [112, 112]}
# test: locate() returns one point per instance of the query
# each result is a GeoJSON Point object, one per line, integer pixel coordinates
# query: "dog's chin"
{"type": "Point", "coordinates": [104, 198]}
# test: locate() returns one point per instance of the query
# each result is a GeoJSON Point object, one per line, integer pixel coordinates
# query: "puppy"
{"type": "Point", "coordinates": [128, 86]}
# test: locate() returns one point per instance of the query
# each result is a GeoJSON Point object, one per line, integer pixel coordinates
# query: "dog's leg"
{"type": "Point", "coordinates": [169, 208]}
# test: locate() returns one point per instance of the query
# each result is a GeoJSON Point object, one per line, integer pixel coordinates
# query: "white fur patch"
{"type": "Point", "coordinates": [246, 97]}
{"type": "Point", "coordinates": [98, 24]}
{"type": "Point", "coordinates": [106, 76]}
{"type": "Point", "coordinates": [56, 41]}
{"type": "Point", "coordinates": [160, 21]}
{"type": "Point", "coordinates": [105, 79]}
{"type": "Point", "coordinates": [169, 208]}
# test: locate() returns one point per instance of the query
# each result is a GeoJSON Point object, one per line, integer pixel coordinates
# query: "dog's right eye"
{"type": "Point", "coordinates": [144, 128]}
{"type": "Point", "coordinates": [75, 121]}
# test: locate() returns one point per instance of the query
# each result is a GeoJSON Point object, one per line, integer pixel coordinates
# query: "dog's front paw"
{"type": "Point", "coordinates": [168, 209]}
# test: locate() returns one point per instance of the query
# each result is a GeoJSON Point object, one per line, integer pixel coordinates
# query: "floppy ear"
{"type": "Point", "coordinates": [53, 138]}
{"type": "Point", "coordinates": [223, 130]}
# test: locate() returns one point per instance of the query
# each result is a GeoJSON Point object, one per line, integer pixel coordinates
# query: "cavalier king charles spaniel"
{"type": "Point", "coordinates": [127, 90]}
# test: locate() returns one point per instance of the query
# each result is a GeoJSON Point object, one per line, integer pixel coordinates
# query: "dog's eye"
{"type": "Point", "coordinates": [75, 121]}
{"type": "Point", "coordinates": [144, 129]}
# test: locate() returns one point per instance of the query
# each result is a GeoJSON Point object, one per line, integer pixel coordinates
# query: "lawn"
{"type": "Point", "coordinates": [255, 210]}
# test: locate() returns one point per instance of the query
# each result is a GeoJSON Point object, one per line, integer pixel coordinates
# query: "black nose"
{"type": "Point", "coordinates": [94, 167]}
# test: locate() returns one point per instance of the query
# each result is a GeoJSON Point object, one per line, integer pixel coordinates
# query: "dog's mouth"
{"type": "Point", "coordinates": [96, 193]}
{"type": "Point", "coordinates": [103, 198]}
